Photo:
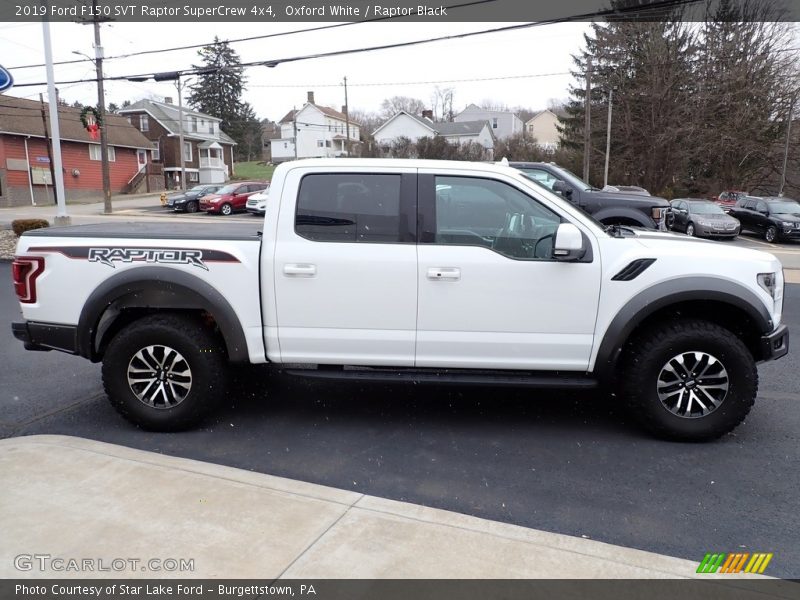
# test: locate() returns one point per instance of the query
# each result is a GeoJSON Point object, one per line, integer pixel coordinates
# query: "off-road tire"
{"type": "Point", "coordinates": [649, 351]}
{"type": "Point", "coordinates": [203, 351]}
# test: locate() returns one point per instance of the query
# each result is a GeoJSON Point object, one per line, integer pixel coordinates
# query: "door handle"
{"type": "Point", "coordinates": [444, 274]}
{"type": "Point", "coordinates": [300, 270]}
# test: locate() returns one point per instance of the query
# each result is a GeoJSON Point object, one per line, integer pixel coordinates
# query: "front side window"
{"type": "Point", "coordinates": [349, 207]}
{"type": "Point", "coordinates": [473, 211]}
{"type": "Point", "coordinates": [540, 176]}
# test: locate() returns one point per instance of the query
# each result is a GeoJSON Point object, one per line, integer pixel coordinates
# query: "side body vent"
{"type": "Point", "coordinates": [633, 269]}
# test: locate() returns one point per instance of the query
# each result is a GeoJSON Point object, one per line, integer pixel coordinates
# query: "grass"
{"type": "Point", "coordinates": [253, 170]}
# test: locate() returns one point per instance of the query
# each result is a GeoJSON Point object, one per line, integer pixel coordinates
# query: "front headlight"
{"type": "Point", "coordinates": [768, 282]}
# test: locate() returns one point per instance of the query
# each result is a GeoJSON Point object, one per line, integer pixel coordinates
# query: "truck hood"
{"type": "Point", "coordinates": [628, 199]}
{"type": "Point", "coordinates": [672, 242]}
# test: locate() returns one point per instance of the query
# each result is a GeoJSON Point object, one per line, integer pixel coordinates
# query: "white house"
{"type": "Point", "coordinates": [504, 124]}
{"type": "Point", "coordinates": [543, 126]}
{"type": "Point", "coordinates": [316, 132]}
{"type": "Point", "coordinates": [404, 124]}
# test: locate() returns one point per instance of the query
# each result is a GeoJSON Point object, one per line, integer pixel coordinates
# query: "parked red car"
{"type": "Point", "coordinates": [728, 199]}
{"type": "Point", "coordinates": [232, 197]}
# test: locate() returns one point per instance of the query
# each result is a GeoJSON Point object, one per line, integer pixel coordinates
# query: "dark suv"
{"type": "Point", "coordinates": [610, 208]}
{"type": "Point", "coordinates": [774, 218]}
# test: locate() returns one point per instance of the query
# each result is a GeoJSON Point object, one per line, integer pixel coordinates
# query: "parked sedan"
{"type": "Point", "coordinates": [189, 200]}
{"type": "Point", "coordinates": [257, 203]}
{"type": "Point", "coordinates": [774, 218]}
{"type": "Point", "coordinates": [729, 198]}
{"type": "Point", "coordinates": [232, 197]}
{"type": "Point", "coordinates": [701, 218]}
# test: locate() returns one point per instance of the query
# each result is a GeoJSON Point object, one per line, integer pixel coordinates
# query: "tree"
{"type": "Point", "coordinates": [392, 106]}
{"type": "Point", "coordinates": [442, 103]}
{"type": "Point", "coordinates": [219, 92]}
{"type": "Point", "coordinates": [247, 130]}
{"type": "Point", "coordinates": [112, 108]}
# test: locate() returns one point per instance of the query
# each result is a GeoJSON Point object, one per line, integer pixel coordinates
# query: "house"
{"type": "Point", "coordinates": [405, 125]}
{"type": "Point", "coordinates": [315, 132]}
{"type": "Point", "coordinates": [208, 151]}
{"type": "Point", "coordinates": [543, 127]}
{"type": "Point", "coordinates": [504, 124]}
{"type": "Point", "coordinates": [25, 176]}
{"type": "Point", "coordinates": [269, 131]}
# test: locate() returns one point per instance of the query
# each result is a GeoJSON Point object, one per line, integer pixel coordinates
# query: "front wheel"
{"type": "Point", "coordinates": [226, 209]}
{"type": "Point", "coordinates": [165, 372]}
{"type": "Point", "coordinates": [688, 380]}
{"type": "Point", "coordinates": [690, 230]}
{"type": "Point", "coordinates": [771, 234]}
{"type": "Point", "coordinates": [191, 207]}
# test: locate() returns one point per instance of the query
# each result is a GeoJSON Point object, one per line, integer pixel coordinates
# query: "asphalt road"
{"type": "Point", "coordinates": [572, 464]}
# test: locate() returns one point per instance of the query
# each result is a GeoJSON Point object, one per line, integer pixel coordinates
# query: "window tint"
{"type": "Point", "coordinates": [349, 208]}
{"type": "Point", "coordinates": [483, 212]}
{"type": "Point", "coordinates": [540, 176]}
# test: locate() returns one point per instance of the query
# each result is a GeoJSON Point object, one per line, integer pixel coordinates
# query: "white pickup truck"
{"type": "Point", "coordinates": [408, 270]}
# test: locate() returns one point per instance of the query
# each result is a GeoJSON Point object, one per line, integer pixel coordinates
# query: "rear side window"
{"type": "Point", "coordinates": [349, 207]}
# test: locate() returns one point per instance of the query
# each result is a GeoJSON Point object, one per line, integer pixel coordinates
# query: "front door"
{"type": "Point", "coordinates": [491, 295]}
{"type": "Point", "coordinates": [345, 268]}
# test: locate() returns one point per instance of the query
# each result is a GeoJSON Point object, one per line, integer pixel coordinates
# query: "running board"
{"type": "Point", "coordinates": [472, 377]}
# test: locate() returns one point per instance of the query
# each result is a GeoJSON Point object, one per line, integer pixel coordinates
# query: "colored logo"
{"type": "Point", "coordinates": [735, 563]}
{"type": "Point", "coordinates": [6, 80]}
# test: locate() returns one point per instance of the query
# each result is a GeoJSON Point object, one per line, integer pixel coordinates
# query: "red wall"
{"type": "Point", "coordinates": [74, 155]}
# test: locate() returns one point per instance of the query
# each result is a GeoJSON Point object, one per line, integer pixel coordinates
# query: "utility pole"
{"type": "Point", "coordinates": [182, 154]}
{"type": "Point", "coordinates": [587, 141]}
{"type": "Point", "coordinates": [49, 151]}
{"type": "Point", "coordinates": [61, 213]}
{"type": "Point", "coordinates": [294, 127]}
{"type": "Point", "coordinates": [101, 110]}
{"type": "Point", "coordinates": [346, 119]}
{"type": "Point", "coordinates": [786, 145]}
{"type": "Point", "coordinates": [608, 136]}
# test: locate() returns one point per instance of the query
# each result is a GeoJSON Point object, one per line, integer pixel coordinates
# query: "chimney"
{"type": "Point", "coordinates": [168, 100]}
{"type": "Point", "coordinates": [427, 114]}
{"type": "Point", "coordinates": [344, 109]}
{"type": "Point", "coordinates": [310, 97]}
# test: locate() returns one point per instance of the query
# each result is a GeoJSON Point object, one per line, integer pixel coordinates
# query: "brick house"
{"type": "Point", "coordinates": [208, 151]}
{"type": "Point", "coordinates": [25, 166]}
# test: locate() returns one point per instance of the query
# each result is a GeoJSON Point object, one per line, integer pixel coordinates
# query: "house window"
{"type": "Point", "coordinates": [130, 120]}
{"type": "Point", "coordinates": [211, 128]}
{"type": "Point", "coordinates": [94, 153]}
{"type": "Point", "coordinates": [192, 176]}
{"type": "Point", "coordinates": [320, 143]}
{"type": "Point", "coordinates": [156, 154]}
{"type": "Point", "coordinates": [144, 123]}
{"type": "Point", "coordinates": [494, 123]}
{"type": "Point", "coordinates": [285, 144]}
{"type": "Point", "coordinates": [187, 151]}
{"type": "Point", "coordinates": [194, 124]}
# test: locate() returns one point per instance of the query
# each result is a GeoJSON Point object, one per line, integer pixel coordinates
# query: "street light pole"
{"type": "Point", "coordinates": [182, 152]}
{"type": "Point", "coordinates": [61, 217]}
{"type": "Point", "coordinates": [608, 136]}
{"type": "Point", "coordinates": [101, 110]}
{"type": "Point", "coordinates": [786, 145]}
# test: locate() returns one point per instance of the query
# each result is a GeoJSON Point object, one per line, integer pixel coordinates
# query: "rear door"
{"type": "Point", "coordinates": [345, 267]}
{"type": "Point", "coordinates": [491, 295]}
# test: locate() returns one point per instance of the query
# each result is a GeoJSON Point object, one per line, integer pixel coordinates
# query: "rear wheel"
{"type": "Point", "coordinates": [688, 380]}
{"type": "Point", "coordinates": [165, 372]}
{"type": "Point", "coordinates": [690, 230]}
{"type": "Point", "coordinates": [191, 207]}
{"type": "Point", "coordinates": [226, 209]}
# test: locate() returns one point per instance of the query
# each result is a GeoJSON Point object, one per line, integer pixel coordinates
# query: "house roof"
{"type": "Point", "coordinates": [557, 114]}
{"type": "Point", "coordinates": [462, 128]}
{"type": "Point", "coordinates": [421, 120]}
{"type": "Point", "coordinates": [167, 115]}
{"type": "Point", "coordinates": [334, 114]}
{"type": "Point", "coordinates": [24, 117]}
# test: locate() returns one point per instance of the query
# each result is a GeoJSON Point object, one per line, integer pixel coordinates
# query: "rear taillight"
{"type": "Point", "coordinates": [25, 270]}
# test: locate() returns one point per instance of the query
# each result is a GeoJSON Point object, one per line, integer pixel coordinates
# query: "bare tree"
{"type": "Point", "coordinates": [392, 106]}
{"type": "Point", "coordinates": [442, 104]}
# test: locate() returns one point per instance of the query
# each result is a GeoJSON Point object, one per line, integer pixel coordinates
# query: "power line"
{"type": "Point", "coordinates": [245, 39]}
{"type": "Point", "coordinates": [275, 62]}
{"type": "Point", "coordinates": [431, 82]}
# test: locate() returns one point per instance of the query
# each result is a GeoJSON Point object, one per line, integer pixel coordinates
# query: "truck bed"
{"type": "Point", "coordinates": [161, 231]}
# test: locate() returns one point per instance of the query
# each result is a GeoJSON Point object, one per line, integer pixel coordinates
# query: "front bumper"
{"type": "Point", "coordinates": [776, 344]}
{"type": "Point", "coordinates": [46, 336]}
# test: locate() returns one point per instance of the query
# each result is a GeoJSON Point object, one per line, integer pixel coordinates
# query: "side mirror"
{"type": "Point", "coordinates": [568, 244]}
{"type": "Point", "coordinates": [562, 188]}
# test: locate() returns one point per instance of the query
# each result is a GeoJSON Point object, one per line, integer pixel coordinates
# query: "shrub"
{"type": "Point", "coordinates": [20, 226]}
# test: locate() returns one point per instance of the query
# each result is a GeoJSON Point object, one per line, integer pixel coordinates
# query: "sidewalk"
{"type": "Point", "coordinates": [88, 212]}
{"type": "Point", "coordinates": [75, 498]}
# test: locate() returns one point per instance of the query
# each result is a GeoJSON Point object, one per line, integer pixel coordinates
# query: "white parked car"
{"type": "Point", "coordinates": [257, 203]}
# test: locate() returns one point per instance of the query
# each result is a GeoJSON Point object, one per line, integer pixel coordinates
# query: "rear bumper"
{"type": "Point", "coordinates": [46, 336]}
{"type": "Point", "coordinates": [776, 344]}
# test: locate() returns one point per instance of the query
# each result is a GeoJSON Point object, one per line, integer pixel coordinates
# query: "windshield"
{"type": "Point", "coordinates": [784, 207]}
{"type": "Point", "coordinates": [705, 208]}
{"type": "Point", "coordinates": [572, 179]}
{"type": "Point", "coordinates": [198, 188]}
{"type": "Point", "coordinates": [228, 189]}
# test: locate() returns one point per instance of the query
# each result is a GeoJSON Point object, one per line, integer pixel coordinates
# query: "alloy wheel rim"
{"type": "Point", "coordinates": [692, 384]}
{"type": "Point", "coordinates": [770, 234]}
{"type": "Point", "coordinates": [159, 376]}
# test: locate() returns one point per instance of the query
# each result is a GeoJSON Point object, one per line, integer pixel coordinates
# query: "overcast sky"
{"type": "Point", "coordinates": [544, 51]}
